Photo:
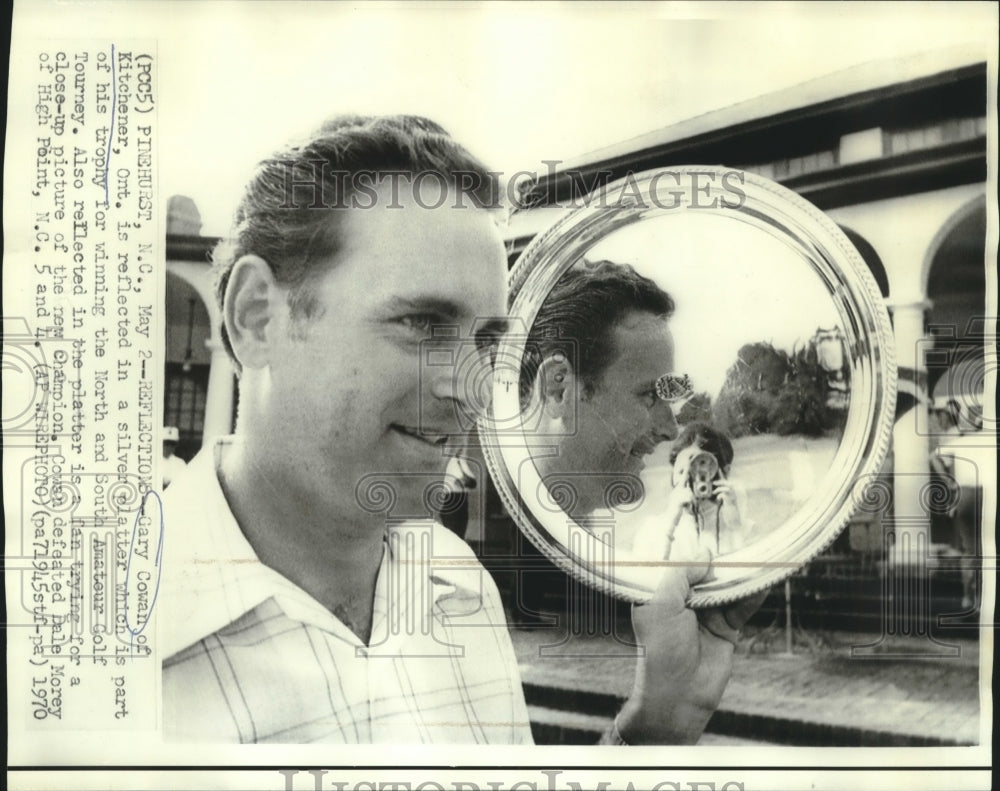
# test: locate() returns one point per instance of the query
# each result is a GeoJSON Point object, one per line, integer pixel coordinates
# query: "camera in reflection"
{"type": "Point", "coordinates": [697, 469]}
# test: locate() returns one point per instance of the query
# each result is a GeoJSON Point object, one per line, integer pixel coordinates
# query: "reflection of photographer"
{"type": "Point", "coordinates": [703, 509]}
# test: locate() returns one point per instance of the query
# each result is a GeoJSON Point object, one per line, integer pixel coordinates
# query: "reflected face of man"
{"type": "Point", "coordinates": [623, 420]}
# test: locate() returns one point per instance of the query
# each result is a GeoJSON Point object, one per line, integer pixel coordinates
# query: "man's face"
{"type": "Point", "coordinates": [622, 421]}
{"type": "Point", "coordinates": [349, 394]}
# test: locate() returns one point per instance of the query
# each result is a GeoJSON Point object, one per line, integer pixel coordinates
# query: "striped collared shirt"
{"type": "Point", "coordinates": [251, 657]}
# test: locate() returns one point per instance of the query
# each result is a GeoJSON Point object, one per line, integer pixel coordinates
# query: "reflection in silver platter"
{"type": "Point", "coordinates": [713, 375]}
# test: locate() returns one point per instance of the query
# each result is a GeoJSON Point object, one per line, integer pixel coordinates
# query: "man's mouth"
{"type": "Point", "coordinates": [437, 439]}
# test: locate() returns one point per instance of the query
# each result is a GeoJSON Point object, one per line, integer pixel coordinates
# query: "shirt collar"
{"type": "Point", "coordinates": [212, 576]}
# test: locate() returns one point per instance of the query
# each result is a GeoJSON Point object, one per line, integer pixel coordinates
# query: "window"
{"type": "Point", "coordinates": [184, 405]}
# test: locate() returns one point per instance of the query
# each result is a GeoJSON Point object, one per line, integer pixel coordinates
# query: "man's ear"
{"type": "Point", "coordinates": [558, 385]}
{"type": "Point", "coordinates": [252, 298]}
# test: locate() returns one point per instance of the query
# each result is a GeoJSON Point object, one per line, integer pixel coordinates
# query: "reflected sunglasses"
{"type": "Point", "coordinates": [674, 387]}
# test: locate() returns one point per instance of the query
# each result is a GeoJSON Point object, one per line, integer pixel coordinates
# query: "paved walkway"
{"type": "Point", "coordinates": [820, 694]}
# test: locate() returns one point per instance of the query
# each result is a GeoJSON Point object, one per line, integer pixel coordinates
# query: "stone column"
{"type": "Point", "coordinates": [911, 448]}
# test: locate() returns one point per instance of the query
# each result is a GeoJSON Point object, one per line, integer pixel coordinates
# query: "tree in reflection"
{"type": "Point", "coordinates": [771, 391]}
{"type": "Point", "coordinates": [697, 409]}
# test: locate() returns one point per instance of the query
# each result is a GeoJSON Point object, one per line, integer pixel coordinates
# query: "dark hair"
{"type": "Point", "coordinates": [707, 438]}
{"type": "Point", "coordinates": [579, 314]}
{"type": "Point", "coordinates": [290, 209]}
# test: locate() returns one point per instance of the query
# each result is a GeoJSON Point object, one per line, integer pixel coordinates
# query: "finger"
{"type": "Point", "coordinates": [737, 614]}
{"type": "Point", "coordinates": [675, 585]}
{"type": "Point", "coordinates": [714, 622]}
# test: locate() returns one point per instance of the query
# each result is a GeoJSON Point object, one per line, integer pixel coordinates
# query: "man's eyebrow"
{"type": "Point", "coordinates": [442, 307]}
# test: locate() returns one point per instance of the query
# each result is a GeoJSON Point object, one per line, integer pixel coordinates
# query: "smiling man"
{"type": "Point", "coordinates": [296, 605]}
{"type": "Point", "coordinates": [592, 385]}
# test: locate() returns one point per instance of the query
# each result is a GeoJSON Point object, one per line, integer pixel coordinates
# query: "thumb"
{"type": "Point", "coordinates": [739, 613]}
{"type": "Point", "coordinates": [675, 586]}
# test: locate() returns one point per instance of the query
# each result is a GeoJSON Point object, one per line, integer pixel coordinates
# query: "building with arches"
{"type": "Point", "coordinates": [200, 386]}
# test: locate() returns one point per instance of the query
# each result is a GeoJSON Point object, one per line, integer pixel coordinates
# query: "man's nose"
{"type": "Point", "coordinates": [664, 422]}
{"type": "Point", "coordinates": [467, 382]}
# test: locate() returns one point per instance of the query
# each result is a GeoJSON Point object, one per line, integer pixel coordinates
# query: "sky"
{"type": "Point", "coordinates": [517, 83]}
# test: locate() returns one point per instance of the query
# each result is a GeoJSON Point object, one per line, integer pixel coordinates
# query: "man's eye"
{"type": "Point", "coordinates": [487, 344]}
{"type": "Point", "coordinates": [487, 341]}
{"type": "Point", "coordinates": [649, 398]}
{"type": "Point", "coordinates": [488, 337]}
{"type": "Point", "coordinates": [420, 322]}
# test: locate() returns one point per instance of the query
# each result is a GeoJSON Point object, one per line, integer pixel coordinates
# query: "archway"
{"type": "Point", "coordinates": [187, 364]}
{"type": "Point", "coordinates": [871, 258]}
{"type": "Point", "coordinates": [956, 288]}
